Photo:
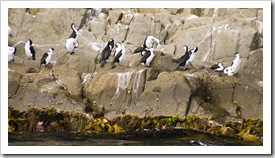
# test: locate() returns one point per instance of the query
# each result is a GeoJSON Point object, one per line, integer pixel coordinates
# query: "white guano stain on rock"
{"type": "Point", "coordinates": [137, 81]}
{"type": "Point", "coordinates": [123, 80]}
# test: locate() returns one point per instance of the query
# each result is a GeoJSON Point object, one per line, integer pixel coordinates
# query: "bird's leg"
{"type": "Point", "coordinates": [177, 67]}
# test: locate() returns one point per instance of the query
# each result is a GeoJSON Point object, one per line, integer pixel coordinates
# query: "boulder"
{"type": "Point", "coordinates": [127, 17]}
{"type": "Point", "coordinates": [25, 24]}
{"type": "Point", "coordinates": [70, 80]}
{"type": "Point", "coordinates": [97, 27]}
{"type": "Point", "coordinates": [211, 43]}
{"type": "Point", "coordinates": [249, 108]}
{"type": "Point", "coordinates": [162, 18]}
{"type": "Point", "coordinates": [163, 62]}
{"type": "Point", "coordinates": [148, 10]}
{"type": "Point", "coordinates": [169, 50]}
{"type": "Point", "coordinates": [117, 31]}
{"type": "Point", "coordinates": [159, 99]}
{"type": "Point", "coordinates": [40, 90]}
{"type": "Point", "coordinates": [254, 66]}
{"type": "Point", "coordinates": [219, 92]}
{"type": "Point", "coordinates": [139, 29]}
{"type": "Point", "coordinates": [194, 21]}
{"type": "Point", "coordinates": [202, 39]}
{"type": "Point", "coordinates": [171, 30]}
{"type": "Point", "coordinates": [83, 61]}
{"type": "Point", "coordinates": [22, 69]}
{"type": "Point", "coordinates": [13, 83]}
{"type": "Point", "coordinates": [114, 87]}
{"type": "Point", "coordinates": [113, 16]}
{"type": "Point", "coordinates": [33, 11]}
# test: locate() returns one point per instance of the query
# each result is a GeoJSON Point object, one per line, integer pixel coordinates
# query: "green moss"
{"type": "Point", "coordinates": [54, 120]}
{"type": "Point", "coordinates": [155, 120]}
{"type": "Point", "coordinates": [169, 121]}
{"type": "Point", "coordinates": [101, 125]}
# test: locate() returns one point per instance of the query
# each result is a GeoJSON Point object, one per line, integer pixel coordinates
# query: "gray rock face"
{"type": "Point", "coordinates": [40, 89]}
{"type": "Point", "coordinates": [14, 83]}
{"type": "Point", "coordinates": [169, 94]}
{"type": "Point", "coordinates": [77, 81]}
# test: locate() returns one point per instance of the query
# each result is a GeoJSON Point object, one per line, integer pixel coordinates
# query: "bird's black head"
{"type": "Point", "coordinates": [237, 54]}
{"type": "Point", "coordinates": [14, 50]}
{"type": "Point", "coordinates": [117, 44]}
{"type": "Point", "coordinates": [219, 63]}
{"type": "Point", "coordinates": [52, 49]}
{"type": "Point", "coordinates": [30, 41]}
{"type": "Point", "coordinates": [72, 25]}
{"type": "Point", "coordinates": [196, 49]}
{"type": "Point", "coordinates": [185, 48]}
{"type": "Point", "coordinates": [111, 42]}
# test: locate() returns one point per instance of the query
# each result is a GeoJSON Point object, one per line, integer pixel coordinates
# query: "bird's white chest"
{"type": "Point", "coordinates": [228, 71]}
{"type": "Point", "coordinates": [71, 43]}
{"type": "Point", "coordinates": [192, 56]}
{"type": "Point", "coordinates": [220, 68]}
{"type": "Point", "coordinates": [10, 54]}
{"type": "Point", "coordinates": [122, 56]}
{"type": "Point", "coordinates": [149, 59]}
{"type": "Point", "coordinates": [28, 51]}
{"type": "Point", "coordinates": [149, 43]}
{"type": "Point", "coordinates": [48, 59]}
{"type": "Point", "coordinates": [236, 66]}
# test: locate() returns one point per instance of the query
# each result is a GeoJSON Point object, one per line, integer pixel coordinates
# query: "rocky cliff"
{"type": "Point", "coordinates": [78, 82]}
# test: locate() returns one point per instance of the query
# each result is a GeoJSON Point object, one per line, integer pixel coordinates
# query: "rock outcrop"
{"type": "Point", "coordinates": [77, 82]}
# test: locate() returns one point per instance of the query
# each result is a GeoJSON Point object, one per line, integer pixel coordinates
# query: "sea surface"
{"type": "Point", "coordinates": [174, 137]}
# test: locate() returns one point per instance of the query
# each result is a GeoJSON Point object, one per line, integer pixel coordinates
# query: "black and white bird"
{"type": "Point", "coordinates": [234, 68]}
{"type": "Point", "coordinates": [148, 43]}
{"type": "Point", "coordinates": [72, 42]}
{"type": "Point", "coordinates": [236, 64]}
{"type": "Point", "coordinates": [46, 58]}
{"type": "Point", "coordinates": [217, 67]}
{"type": "Point", "coordinates": [228, 71]}
{"type": "Point", "coordinates": [141, 50]}
{"type": "Point", "coordinates": [75, 32]}
{"type": "Point", "coordinates": [29, 50]}
{"type": "Point", "coordinates": [105, 54]}
{"type": "Point", "coordinates": [11, 53]}
{"type": "Point", "coordinates": [147, 57]}
{"type": "Point", "coordinates": [183, 59]}
{"type": "Point", "coordinates": [187, 58]}
{"type": "Point", "coordinates": [192, 54]}
{"type": "Point", "coordinates": [119, 54]}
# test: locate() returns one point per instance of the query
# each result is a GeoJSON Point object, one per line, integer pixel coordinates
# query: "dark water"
{"type": "Point", "coordinates": [175, 137]}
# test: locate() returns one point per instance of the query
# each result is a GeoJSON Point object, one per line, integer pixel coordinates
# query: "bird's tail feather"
{"type": "Point", "coordinates": [177, 67]}
{"type": "Point", "coordinates": [102, 63]}
{"type": "Point", "coordinates": [113, 65]}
